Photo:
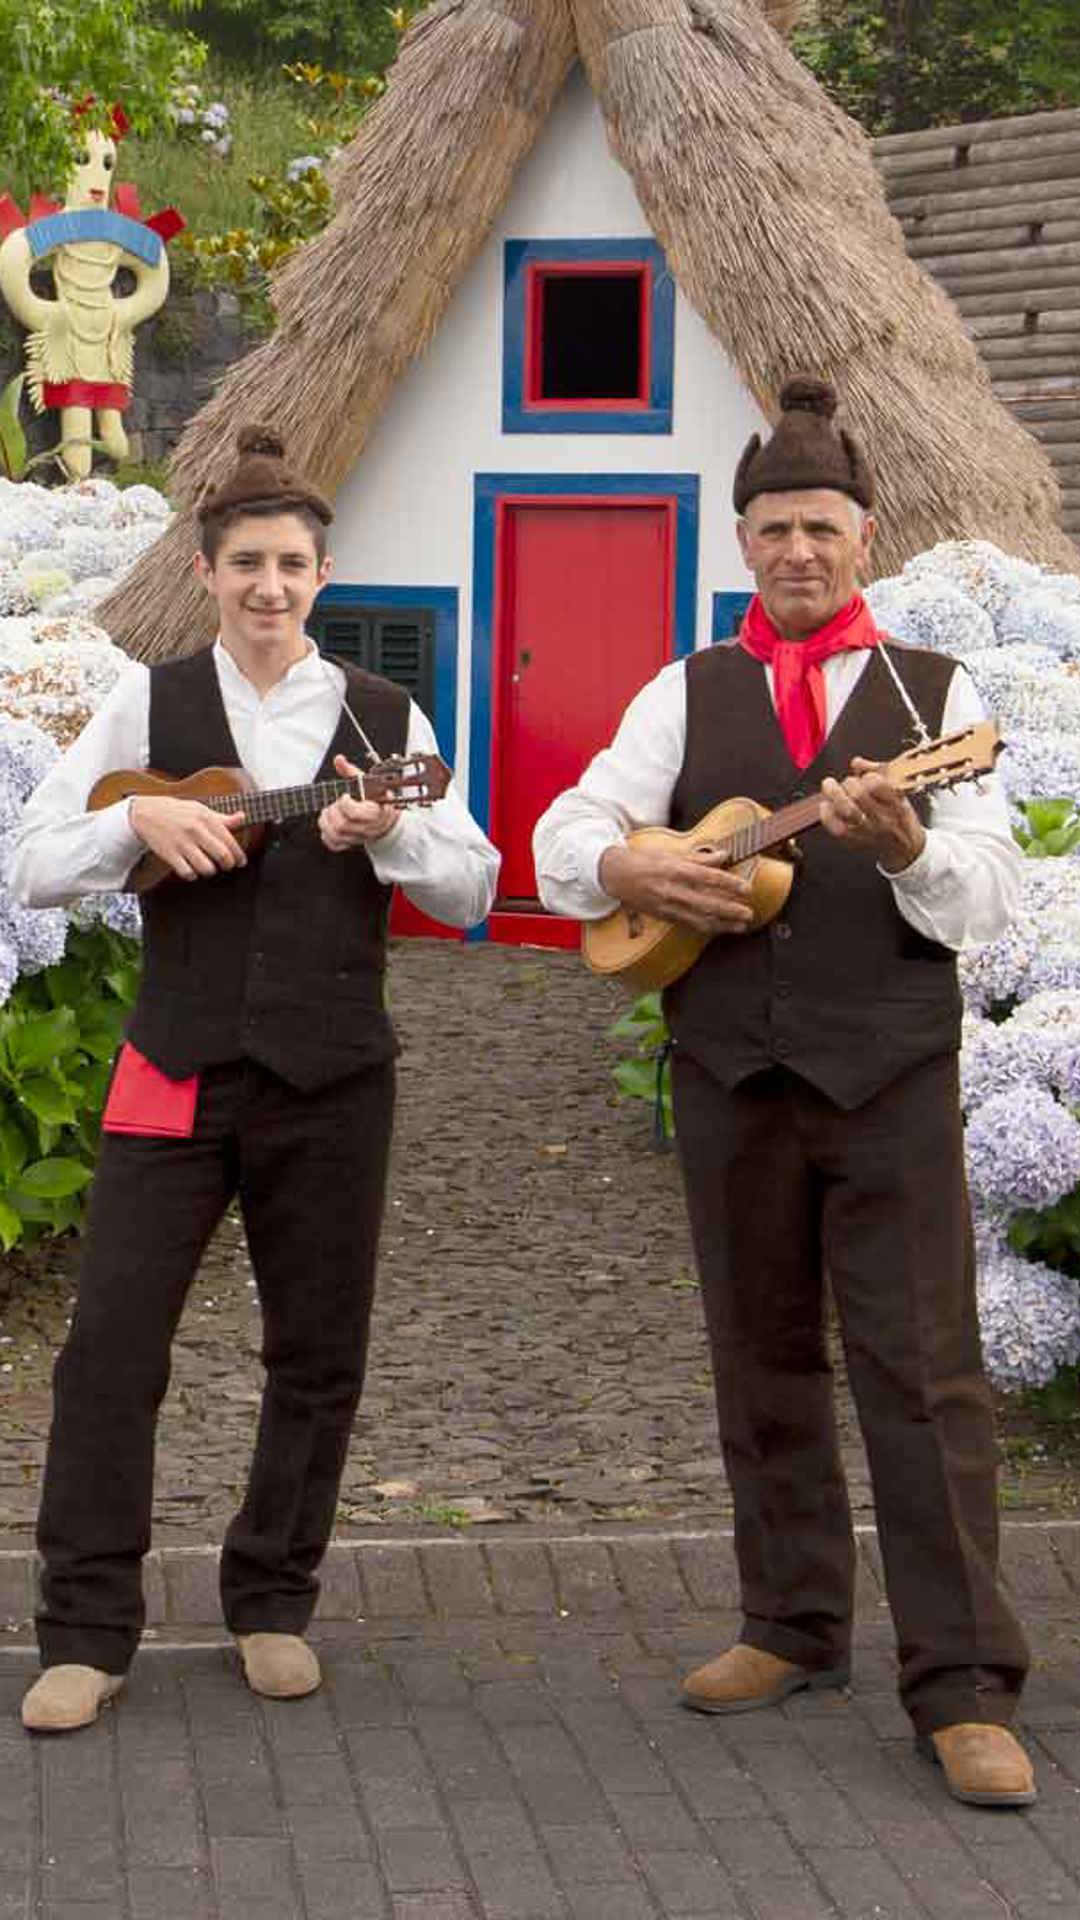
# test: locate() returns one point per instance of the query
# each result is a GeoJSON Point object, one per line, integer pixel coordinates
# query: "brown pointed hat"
{"type": "Point", "coordinates": [806, 450]}
{"type": "Point", "coordinates": [262, 478]}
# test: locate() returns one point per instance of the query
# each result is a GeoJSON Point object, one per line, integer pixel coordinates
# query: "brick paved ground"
{"type": "Point", "coordinates": [497, 1740]}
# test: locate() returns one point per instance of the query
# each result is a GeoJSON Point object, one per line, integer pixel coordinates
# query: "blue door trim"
{"type": "Point", "coordinates": [443, 603]}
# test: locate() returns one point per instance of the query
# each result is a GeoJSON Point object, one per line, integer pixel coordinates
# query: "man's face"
{"type": "Point", "coordinates": [807, 553]}
{"type": "Point", "coordinates": [264, 578]}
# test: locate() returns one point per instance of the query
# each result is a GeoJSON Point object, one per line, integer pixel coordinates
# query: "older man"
{"type": "Point", "coordinates": [815, 1075]}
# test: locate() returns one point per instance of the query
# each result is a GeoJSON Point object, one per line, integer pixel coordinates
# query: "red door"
{"type": "Point", "coordinates": [585, 602]}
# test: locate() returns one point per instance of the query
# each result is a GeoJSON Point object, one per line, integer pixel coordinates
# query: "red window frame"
{"type": "Point", "coordinates": [539, 271]}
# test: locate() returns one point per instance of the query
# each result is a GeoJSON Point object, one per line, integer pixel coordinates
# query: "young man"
{"type": "Point", "coordinates": [817, 1105]}
{"type": "Point", "coordinates": [261, 1036]}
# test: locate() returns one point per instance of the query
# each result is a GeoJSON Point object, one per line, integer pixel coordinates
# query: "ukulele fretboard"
{"type": "Point", "coordinates": [290, 803]}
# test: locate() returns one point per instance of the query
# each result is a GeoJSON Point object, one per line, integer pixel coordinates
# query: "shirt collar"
{"type": "Point", "coordinates": [309, 670]}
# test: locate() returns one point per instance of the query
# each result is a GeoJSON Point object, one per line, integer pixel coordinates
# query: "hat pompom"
{"type": "Point", "coordinates": [805, 395]}
{"type": "Point", "coordinates": [260, 439]}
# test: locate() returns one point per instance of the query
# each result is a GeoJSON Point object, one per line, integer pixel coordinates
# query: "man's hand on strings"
{"type": "Point", "coordinates": [350, 823]}
{"type": "Point", "coordinates": [697, 890]}
{"type": "Point", "coordinates": [193, 840]}
{"type": "Point", "coordinates": [867, 811]}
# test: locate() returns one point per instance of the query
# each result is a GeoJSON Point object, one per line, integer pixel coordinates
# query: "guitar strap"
{"type": "Point", "coordinates": [373, 757]}
{"type": "Point", "coordinates": [922, 731]}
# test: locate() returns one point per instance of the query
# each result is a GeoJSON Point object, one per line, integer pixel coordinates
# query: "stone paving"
{"type": "Point", "coordinates": [498, 1739]}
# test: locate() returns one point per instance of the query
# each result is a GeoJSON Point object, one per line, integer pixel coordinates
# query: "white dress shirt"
{"type": "Point", "coordinates": [961, 890]}
{"type": "Point", "coordinates": [438, 856]}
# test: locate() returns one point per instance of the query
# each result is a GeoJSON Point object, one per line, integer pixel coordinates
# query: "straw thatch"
{"type": "Point", "coordinates": [764, 197]}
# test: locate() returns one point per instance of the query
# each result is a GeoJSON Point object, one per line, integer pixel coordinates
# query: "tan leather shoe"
{"type": "Point", "coordinates": [66, 1697]}
{"type": "Point", "coordinates": [279, 1665]}
{"type": "Point", "coordinates": [745, 1677]}
{"type": "Point", "coordinates": [984, 1765]}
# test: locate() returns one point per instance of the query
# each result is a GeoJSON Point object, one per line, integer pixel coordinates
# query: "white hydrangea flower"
{"type": "Point", "coordinates": [1043, 766]}
{"type": "Point", "coordinates": [930, 612]}
{"type": "Point", "coordinates": [1047, 617]}
{"type": "Point", "coordinates": [142, 503]}
{"type": "Point", "coordinates": [1026, 687]}
{"type": "Point", "coordinates": [988, 576]}
{"type": "Point", "coordinates": [89, 503]}
{"type": "Point", "coordinates": [80, 598]}
{"type": "Point", "coordinates": [93, 550]}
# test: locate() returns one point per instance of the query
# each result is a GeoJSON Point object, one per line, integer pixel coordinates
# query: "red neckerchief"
{"type": "Point", "coordinates": [798, 683]}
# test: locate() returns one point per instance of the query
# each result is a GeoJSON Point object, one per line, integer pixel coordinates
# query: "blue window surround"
{"type": "Point", "coordinates": [518, 417]}
{"type": "Point", "coordinates": [727, 612]}
{"type": "Point", "coordinates": [683, 489]}
{"type": "Point", "coordinates": [443, 602]}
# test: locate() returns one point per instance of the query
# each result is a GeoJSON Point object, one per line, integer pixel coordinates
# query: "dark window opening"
{"type": "Point", "coordinates": [397, 643]}
{"type": "Point", "coordinates": [590, 344]}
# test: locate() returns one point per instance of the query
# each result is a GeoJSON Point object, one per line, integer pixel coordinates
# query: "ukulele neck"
{"type": "Point", "coordinates": [759, 836]}
{"type": "Point", "coordinates": [278, 804]}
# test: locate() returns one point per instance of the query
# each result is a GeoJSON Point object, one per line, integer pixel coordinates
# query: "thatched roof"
{"type": "Point", "coordinates": [763, 195]}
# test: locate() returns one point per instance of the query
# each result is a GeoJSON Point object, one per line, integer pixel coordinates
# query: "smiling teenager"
{"type": "Point", "coordinates": [259, 1068]}
{"type": "Point", "coordinates": [816, 1100]}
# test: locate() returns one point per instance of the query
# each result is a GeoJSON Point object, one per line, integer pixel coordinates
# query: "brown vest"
{"type": "Point", "coordinates": [282, 960]}
{"type": "Point", "coordinates": [839, 988]}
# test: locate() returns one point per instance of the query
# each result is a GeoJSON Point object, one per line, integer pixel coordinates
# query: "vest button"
{"type": "Point", "coordinates": [782, 929]}
{"type": "Point", "coordinates": [782, 1047]}
{"type": "Point", "coordinates": [783, 991]}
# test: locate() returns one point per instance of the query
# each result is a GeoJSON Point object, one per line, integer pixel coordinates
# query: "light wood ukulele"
{"type": "Point", "coordinates": [400, 781]}
{"type": "Point", "coordinates": [647, 952]}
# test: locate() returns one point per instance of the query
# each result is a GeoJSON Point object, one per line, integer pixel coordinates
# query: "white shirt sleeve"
{"type": "Point", "coordinates": [961, 891]}
{"type": "Point", "coordinates": [964, 887]}
{"type": "Point", "coordinates": [438, 855]}
{"type": "Point", "coordinates": [627, 785]}
{"type": "Point", "coordinates": [59, 851]}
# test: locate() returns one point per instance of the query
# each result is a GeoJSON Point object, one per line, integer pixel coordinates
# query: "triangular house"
{"type": "Point", "coordinates": [628, 260]}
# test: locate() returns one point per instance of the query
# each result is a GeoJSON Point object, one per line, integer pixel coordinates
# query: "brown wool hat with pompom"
{"type": "Point", "coordinates": [262, 478]}
{"type": "Point", "coordinates": [807, 450]}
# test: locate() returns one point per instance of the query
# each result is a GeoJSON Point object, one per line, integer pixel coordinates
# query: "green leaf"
{"type": "Point", "coordinates": [124, 981]}
{"type": "Point", "coordinates": [54, 1179]}
{"type": "Point", "coordinates": [636, 1079]}
{"type": "Point", "coordinates": [11, 1227]}
{"type": "Point", "coordinates": [14, 1152]}
{"type": "Point", "coordinates": [47, 1102]}
{"type": "Point", "coordinates": [40, 1041]}
{"type": "Point", "coordinates": [101, 1028]}
{"type": "Point", "coordinates": [12, 437]}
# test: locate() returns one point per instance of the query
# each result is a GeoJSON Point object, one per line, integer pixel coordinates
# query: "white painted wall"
{"type": "Point", "coordinates": [404, 516]}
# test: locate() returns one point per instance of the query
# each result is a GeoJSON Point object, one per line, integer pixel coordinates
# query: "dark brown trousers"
{"type": "Point", "coordinates": [309, 1171]}
{"type": "Point", "coordinates": [782, 1185]}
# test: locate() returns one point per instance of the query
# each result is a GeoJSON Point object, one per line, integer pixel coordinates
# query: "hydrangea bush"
{"type": "Point", "coordinates": [1016, 628]}
{"type": "Point", "coordinates": [67, 976]}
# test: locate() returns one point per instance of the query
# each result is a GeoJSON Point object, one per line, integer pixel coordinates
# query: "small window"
{"type": "Point", "coordinates": [398, 643]}
{"type": "Point", "coordinates": [589, 336]}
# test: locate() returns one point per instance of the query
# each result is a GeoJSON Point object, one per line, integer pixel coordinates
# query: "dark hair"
{"type": "Point", "coordinates": [215, 525]}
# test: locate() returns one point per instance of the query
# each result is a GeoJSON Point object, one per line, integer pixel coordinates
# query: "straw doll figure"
{"type": "Point", "coordinates": [80, 349]}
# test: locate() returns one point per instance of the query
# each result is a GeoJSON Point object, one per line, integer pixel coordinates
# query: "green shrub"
{"type": "Point", "coordinates": [58, 1034]}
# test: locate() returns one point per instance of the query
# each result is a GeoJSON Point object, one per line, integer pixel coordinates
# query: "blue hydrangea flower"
{"type": "Point", "coordinates": [1029, 1316]}
{"type": "Point", "coordinates": [1041, 765]}
{"type": "Point", "coordinates": [930, 612]}
{"type": "Point", "coordinates": [1026, 688]}
{"type": "Point", "coordinates": [1047, 617]}
{"type": "Point", "coordinates": [1023, 1148]}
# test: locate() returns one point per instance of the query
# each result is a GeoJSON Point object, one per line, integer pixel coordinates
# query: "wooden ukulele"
{"type": "Point", "coordinates": [647, 952]}
{"type": "Point", "coordinates": [413, 781]}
